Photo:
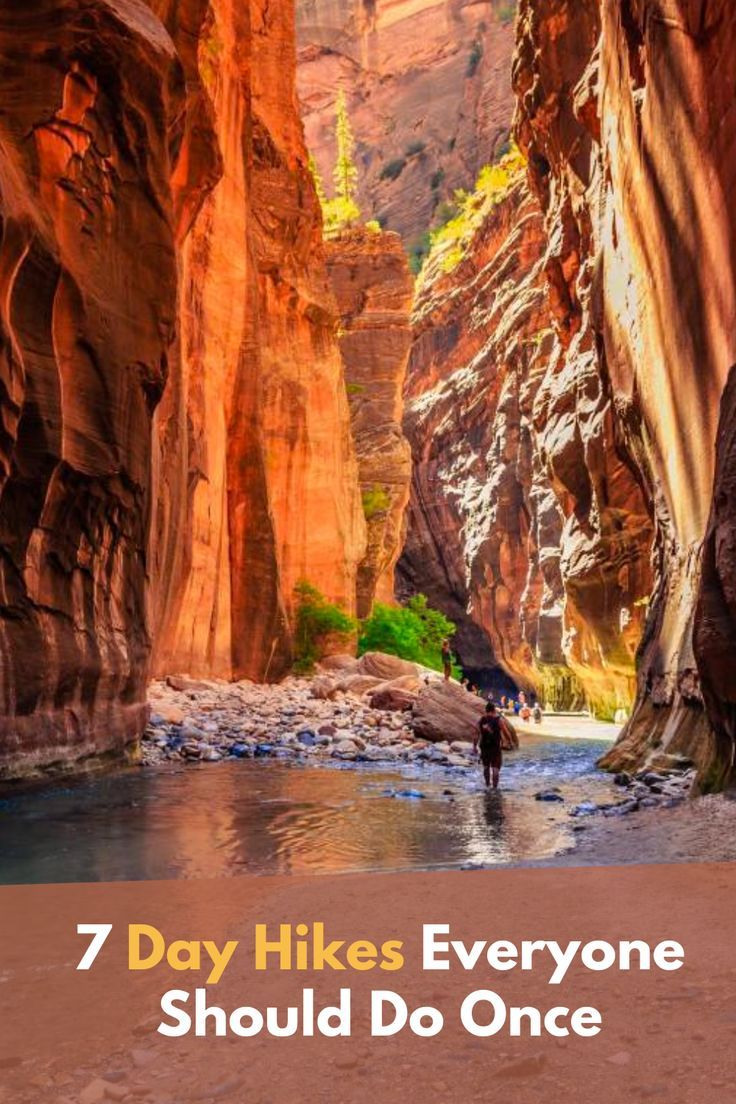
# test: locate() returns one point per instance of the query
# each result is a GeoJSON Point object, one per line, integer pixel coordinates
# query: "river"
{"type": "Point", "coordinates": [268, 817]}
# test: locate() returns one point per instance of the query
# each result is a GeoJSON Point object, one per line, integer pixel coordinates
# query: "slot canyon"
{"type": "Point", "coordinates": [206, 400]}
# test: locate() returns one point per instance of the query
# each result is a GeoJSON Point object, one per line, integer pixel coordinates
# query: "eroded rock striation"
{"type": "Point", "coordinates": [160, 235]}
{"type": "Point", "coordinates": [629, 131]}
{"type": "Point", "coordinates": [93, 102]}
{"type": "Point", "coordinates": [500, 438]}
{"type": "Point", "coordinates": [427, 91]}
{"type": "Point", "coordinates": [630, 134]}
{"type": "Point", "coordinates": [374, 289]}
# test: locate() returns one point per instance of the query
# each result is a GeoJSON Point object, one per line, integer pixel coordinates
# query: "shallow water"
{"type": "Point", "coordinates": [269, 817]}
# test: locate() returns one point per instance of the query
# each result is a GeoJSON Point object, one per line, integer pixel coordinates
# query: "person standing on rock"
{"type": "Point", "coordinates": [489, 736]}
{"type": "Point", "coordinates": [446, 660]}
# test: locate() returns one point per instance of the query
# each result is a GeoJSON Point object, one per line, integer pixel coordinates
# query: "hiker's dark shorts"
{"type": "Point", "coordinates": [491, 757]}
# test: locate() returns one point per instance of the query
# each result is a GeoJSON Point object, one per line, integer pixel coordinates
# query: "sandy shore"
{"type": "Point", "coordinates": [702, 829]}
{"type": "Point", "coordinates": [567, 726]}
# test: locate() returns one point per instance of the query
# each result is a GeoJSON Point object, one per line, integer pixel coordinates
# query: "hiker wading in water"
{"type": "Point", "coordinates": [489, 735]}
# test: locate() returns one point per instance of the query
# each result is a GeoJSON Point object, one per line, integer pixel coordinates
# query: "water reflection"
{"type": "Point", "coordinates": [272, 817]}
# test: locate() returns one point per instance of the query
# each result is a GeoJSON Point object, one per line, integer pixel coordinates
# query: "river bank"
{"type": "Point", "coordinates": [305, 777]}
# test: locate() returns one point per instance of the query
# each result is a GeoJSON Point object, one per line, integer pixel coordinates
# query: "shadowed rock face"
{"type": "Point", "coordinates": [630, 129]}
{"type": "Point", "coordinates": [374, 291]}
{"type": "Point", "coordinates": [715, 618]}
{"type": "Point", "coordinates": [427, 91]}
{"type": "Point", "coordinates": [93, 96]}
{"type": "Point", "coordinates": [160, 234]}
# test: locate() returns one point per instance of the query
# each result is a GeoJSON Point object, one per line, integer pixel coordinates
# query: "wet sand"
{"type": "Point", "coordinates": [701, 829]}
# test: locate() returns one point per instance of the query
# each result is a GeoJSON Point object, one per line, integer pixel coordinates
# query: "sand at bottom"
{"type": "Point", "coordinates": [574, 727]}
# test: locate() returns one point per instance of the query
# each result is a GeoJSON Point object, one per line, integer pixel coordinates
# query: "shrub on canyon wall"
{"type": "Point", "coordinates": [413, 631]}
{"type": "Point", "coordinates": [317, 621]}
{"type": "Point", "coordinates": [450, 241]}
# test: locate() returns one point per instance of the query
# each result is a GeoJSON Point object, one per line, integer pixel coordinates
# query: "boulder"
{"type": "Point", "coordinates": [386, 667]}
{"type": "Point", "coordinates": [322, 687]}
{"type": "Point", "coordinates": [396, 695]}
{"type": "Point", "coordinates": [183, 684]}
{"type": "Point", "coordinates": [339, 663]}
{"type": "Point", "coordinates": [446, 711]}
{"type": "Point", "coordinates": [168, 712]}
{"type": "Point", "coordinates": [358, 684]}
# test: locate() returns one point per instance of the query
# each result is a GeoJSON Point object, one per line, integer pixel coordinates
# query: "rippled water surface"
{"type": "Point", "coordinates": [270, 817]}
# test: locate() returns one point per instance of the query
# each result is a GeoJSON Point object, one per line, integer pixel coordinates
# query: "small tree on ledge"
{"type": "Point", "coordinates": [340, 213]}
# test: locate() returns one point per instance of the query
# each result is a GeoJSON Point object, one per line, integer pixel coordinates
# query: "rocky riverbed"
{"type": "Point", "coordinates": [378, 709]}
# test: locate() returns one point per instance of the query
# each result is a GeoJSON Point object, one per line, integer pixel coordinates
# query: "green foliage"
{"type": "Point", "coordinates": [319, 186]}
{"type": "Point", "coordinates": [355, 388]}
{"type": "Point", "coordinates": [210, 52]}
{"type": "Point", "coordinates": [415, 148]}
{"type": "Point", "coordinates": [450, 240]}
{"type": "Point", "coordinates": [374, 226]}
{"type": "Point", "coordinates": [316, 619]}
{"type": "Point", "coordinates": [392, 170]}
{"type": "Point", "coordinates": [476, 54]}
{"type": "Point", "coordinates": [345, 173]}
{"type": "Point", "coordinates": [414, 631]}
{"type": "Point", "coordinates": [418, 250]}
{"type": "Point", "coordinates": [342, 210]}
{"type": "Point", "coordinates": [436, 179]}
{"type": "Point", "coordinates": [505, 10]}
{"type": "Point", "coordinates": [375, 501]}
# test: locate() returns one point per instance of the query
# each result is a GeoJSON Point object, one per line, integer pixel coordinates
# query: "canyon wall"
{"type": "Point", "coordinates": [374, 290]}
{"type": "Point", "coordinates": [93, 99]}
{"type": "Point", "coordinates": [259, 484]}
{"type": "Point", "coordinates": [630, 130]}
{"type": "Point", "coordinates": [160, 235]}
{"type": "Point", "coordinates": [499, 433]}
{"type": "Point", "coordinates": [427, 92]}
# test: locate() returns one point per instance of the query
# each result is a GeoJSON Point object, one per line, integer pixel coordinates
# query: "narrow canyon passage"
{"type": "Point", "coordinates": [344, 348]}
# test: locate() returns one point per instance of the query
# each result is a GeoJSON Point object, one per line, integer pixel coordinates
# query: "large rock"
{"type": "Point", "coordinates": [374, 289]}
{"type": "Point", "coordinates": [385, 667]}
{"type": "Point", "coordinates": [398, 695]}
{"type": "Point", "coordinates": [428, 96]}
{"type": "Point", "coordinates": [446, 711]}
{"type": "Point", "coordinates": [715, 620]}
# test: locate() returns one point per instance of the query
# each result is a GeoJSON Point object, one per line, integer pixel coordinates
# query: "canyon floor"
{"type": "Point", "coordinates": [280, 779]}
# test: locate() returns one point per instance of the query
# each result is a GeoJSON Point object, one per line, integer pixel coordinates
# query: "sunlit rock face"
{"type": "Point", "coordinates": [160, 235]}
{"type": "Point", "coordinates": [427, 92]}
{"type": "Point", "coordinates": [630, 130]}
{"type": "Point", "coordinates": [471, 543]}
{"type": "Point", "coordinates": [256, 465]}
{"type": "Point", "coordinates": [374, 289]}
{"type": "Point", "coordinates": [496, 536]}
{"type": "Point", "coordinates": [93, 100]}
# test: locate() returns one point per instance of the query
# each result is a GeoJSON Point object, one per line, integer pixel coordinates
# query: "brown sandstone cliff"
{"type": "Point", "coordinates": [630, 128]}
{"type": "Point", "coordinates": [427, 92]}
{"type": "Point", "coordinates": [374, 291]}
{"type": "Point", "coordinates": [93, 100]}
{"type": "Point", "coordinates": [257, 467]}
{"type": "Point", "coordinates": [160, 234]}
{"type": "Point", "coordinates": [495, 537]}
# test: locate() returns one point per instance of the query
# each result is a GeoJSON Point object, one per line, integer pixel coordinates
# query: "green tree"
{"type": "Point", "coordinates": [316, 619]}
{"type": "Point", "coordinates": [345, 173]}
{"type": "Point", "coordinates": [414, 631]}
{"type": "Point", "coordinates": [318, 182]}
